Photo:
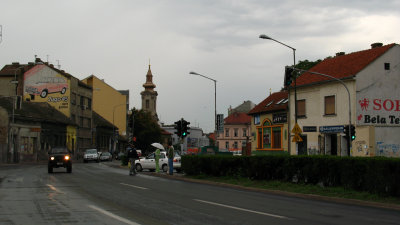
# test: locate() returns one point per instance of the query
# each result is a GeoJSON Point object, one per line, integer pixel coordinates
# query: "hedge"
{"type": "Point", "coordinates": [377, 175]}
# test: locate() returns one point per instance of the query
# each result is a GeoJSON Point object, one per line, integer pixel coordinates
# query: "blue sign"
{"type": "Point", "coordinates": [331, 129]}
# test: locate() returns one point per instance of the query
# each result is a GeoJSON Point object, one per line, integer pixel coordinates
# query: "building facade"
{"type": "Point", "coordinates": [236, 132]}
{"type": "Point", "coordinates": [269, 124]}
{"type": "Point", "coordinates": [372, 105]}
{"type": "Point", "coordinates": [109, 103]}
{"type": "Point", "coordinates": [41, 82]}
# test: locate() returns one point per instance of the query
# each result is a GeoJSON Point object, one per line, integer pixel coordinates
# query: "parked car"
{"type": "Point", "coordinates": [59, 157]}
{"type": "Point", "coordinates": [105, 156]}
{"type": "Point", "coordinates": [149, 163]}
{"type": "Point", "coordinates": [91, 155]}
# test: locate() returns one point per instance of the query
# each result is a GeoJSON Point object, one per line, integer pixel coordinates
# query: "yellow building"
{"type": "Point", "coordinates": [269, 127]}
{"type": "Point", "coordinates": [109, 103]}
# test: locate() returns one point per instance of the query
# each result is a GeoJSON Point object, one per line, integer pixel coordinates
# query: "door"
{"type": "Point", "coordinates": [302, 146]}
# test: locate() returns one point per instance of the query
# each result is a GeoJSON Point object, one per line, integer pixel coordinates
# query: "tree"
{"type": "Point", "coordinates": [305, 65]}
{"type": "Point", "coordinates": [146, 130]}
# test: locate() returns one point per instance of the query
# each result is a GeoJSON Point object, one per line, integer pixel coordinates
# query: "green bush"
{"type": "Point", "coordinates": [377, 175]}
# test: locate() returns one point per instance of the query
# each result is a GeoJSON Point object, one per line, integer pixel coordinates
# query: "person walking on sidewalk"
{"type": "Point", "coordinates": [171, 154]}
{"type": "Point", "coordinates": [132, 156]}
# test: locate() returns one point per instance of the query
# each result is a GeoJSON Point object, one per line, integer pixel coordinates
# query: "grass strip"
{"type": "Point", "coordinates": [338, 192]}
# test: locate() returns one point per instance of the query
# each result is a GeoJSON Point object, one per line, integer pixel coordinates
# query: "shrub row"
{"type": "Point", "coordinates": [373, 174]}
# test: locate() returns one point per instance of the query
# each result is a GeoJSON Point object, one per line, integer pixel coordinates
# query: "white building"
{"type": "Point", "coordinates": [372, 77]}
{"type": "Point", "coordinates": [196, 139]}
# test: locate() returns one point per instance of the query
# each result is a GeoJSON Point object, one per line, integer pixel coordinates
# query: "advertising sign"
{"type": "Point", "coordinates": [43, 84]}
{"type": "Point", "coordinates": [378, 111]}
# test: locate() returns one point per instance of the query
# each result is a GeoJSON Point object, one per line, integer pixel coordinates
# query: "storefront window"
{"type": "Point", "coordinates": [269, 136]}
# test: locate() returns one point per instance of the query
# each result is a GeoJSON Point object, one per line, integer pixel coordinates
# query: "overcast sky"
{"type": "Point", "coordinates": [115, 39]}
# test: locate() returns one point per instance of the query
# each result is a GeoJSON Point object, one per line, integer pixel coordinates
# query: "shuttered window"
{"type": "Point", "coordinates": [330, 105]}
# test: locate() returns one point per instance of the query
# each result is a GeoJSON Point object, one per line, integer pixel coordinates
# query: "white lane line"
{"type": "Point", "coordinates": [113, 215]}
{"type": "Point", "coordinates": [242, 209]}
{"type": "Point", "coordinates": [130, 185]}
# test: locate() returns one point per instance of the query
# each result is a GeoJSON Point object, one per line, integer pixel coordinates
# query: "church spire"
{"type": "Point", "coordinates": [149, 85]}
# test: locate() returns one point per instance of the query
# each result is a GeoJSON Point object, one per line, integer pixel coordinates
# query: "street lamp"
{"type": "Point", "coordinates": [114, 125]}
{"type": "Point", "coordinates": [263, 36]}
{"type": "Point", "coordinates": [215, 98]}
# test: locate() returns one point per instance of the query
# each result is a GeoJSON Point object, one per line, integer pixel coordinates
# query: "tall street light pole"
{"type": "Point", "coordinates": [215, 99]}
{"type": "Point", "coordinates": [263, 36]}
{"type": "Point", "coordinates": [114, 145]}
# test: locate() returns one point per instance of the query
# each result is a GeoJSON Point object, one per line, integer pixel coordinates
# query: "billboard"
{"type": "Point", "coordinates": [43, 84]}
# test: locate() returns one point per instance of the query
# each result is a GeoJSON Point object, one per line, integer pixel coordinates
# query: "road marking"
{"type": "Point", "coordinates": [242, 209]}
{"type": "Point", "coordinates": [130, 185]}
{"type": "Point", "coordinates": [54, 188]}
{"type": "Point", "coordinates": [113, 215]}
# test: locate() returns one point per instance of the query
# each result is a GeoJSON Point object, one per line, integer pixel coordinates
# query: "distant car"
{"type": "Point", "coordinates": [149, 163]}
{"type": "Point", "coordinates": [91, 155]}
{"type": "Point", "coordinates": [59, 157]}
{"type": "Point", "coordinates": [105, 156]}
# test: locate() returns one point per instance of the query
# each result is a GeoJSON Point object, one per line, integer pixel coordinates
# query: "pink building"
{"type": "Point", "coordinates": [236, 132]}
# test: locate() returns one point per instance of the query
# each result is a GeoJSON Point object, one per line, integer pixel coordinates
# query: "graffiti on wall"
{"type": "Point", "coordinates": [388, 150]}
{"type": "Point", "coordinates": [361, 148]}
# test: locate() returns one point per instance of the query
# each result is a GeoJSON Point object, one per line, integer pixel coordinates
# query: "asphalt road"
{"type": "Point", "coordinates": [95, 193]}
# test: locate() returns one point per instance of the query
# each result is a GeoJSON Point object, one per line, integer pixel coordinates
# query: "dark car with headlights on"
{"type": "Point", "coordinates": [60, 157]}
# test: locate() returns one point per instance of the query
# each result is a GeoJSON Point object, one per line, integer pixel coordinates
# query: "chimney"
{"type": "Point", "coordinates": [376, 45]}
{"type": "Point", "coordinates": [340, 53]}
{"type": "Point", "coordinates": [15, 63]}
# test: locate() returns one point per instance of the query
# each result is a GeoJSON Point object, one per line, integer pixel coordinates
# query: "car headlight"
{"type": "Point", "coordinates": [66, 157]}
{"type": "Point", "coordinates": [52, 158]}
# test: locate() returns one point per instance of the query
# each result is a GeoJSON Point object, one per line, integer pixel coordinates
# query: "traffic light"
{"type": "Point", "coordinates": [288, 75]}
{"type": "Point", "coordinates": [185, 128]}
{"type": "Point", "coordinates": [353, 132]}
{"type": "Point", "coordinates": [178, 128]}
{"type": "Point", "coordinates": [346, 131]}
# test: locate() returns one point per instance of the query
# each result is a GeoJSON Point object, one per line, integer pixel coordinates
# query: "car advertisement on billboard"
{"type": "Point", "coordinates": [43, 84]}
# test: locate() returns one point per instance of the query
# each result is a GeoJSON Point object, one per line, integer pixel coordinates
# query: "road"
{"type": "Point", "coordinates": [95, 193]}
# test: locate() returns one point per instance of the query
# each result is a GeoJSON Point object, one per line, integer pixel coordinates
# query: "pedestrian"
{"type": "Point", "coordinates": [171, 155]}
{"type": "Point", "coordinates": [157, 155]}
{"type": "Point", "coordinates": [132, 156]}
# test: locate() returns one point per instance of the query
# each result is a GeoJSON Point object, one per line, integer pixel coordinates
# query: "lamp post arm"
{"type": "Point", "coordinates": [283, 44]}
{"type": "Point", "coordinates": [194, 73]}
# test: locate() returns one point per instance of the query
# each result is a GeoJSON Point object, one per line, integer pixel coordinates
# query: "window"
{"type": "Point", "coordinates": [269, 137]}
{"type": "Point", "coordinates": [227, 145]}
{"type": "Point", "coordinates": [235, 145]}
{"type": "Point", "coordinates": [226, 132]}
{"type": "Point", "coordinates": [257, 119]}
{"type": "Point", "coordinates": [330, 105]}
{"type": "Point", "coordinates": [244, 132]}
{"type": "Point", "coordinates": [73, 99]}
{"type": "Point", "coordinates": [236, 132]}
{"type": "Point", "coordinates": [89, 104]}
{"type": "Point", "coordinates": [301, 108]}
{"type": "Point", "coordinates": [147, 104]}
{"type": "Point", "coordinates": [82, 101]}
{"type": "Point", "coordinates": [387, 66]}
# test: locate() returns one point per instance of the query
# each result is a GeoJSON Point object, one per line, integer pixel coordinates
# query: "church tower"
{"type": "Point", "coordinates": [149, 95]}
